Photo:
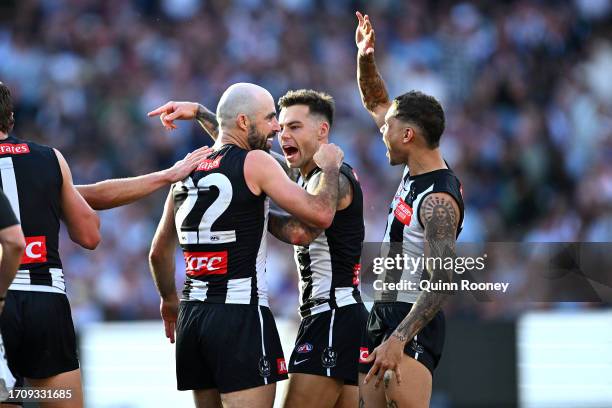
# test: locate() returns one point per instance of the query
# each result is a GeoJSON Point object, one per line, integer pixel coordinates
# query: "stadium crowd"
{"type": "Point", "coordinates": [525, 86]}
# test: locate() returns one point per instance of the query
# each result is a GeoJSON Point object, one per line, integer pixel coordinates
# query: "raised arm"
{"type": "Point", "coordinates": [291, 230]}
{"type": "Point", "coordinates": [439, 214]}
{"type": "Point", "coordinates": [317, 209]}
{"type": "Point", "coordinates": [117, 192]}
{"type": "Point", "coordinates": [81, 220]}
{"type": "Point", "coordinates": [374, 95]}
{"type": "Point", "coordinates": [161, 263]}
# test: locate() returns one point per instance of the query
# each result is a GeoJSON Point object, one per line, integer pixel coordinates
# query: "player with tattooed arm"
{"type": "Point", "coordinates": [324, 362]}
{"type": "Point", "coordinates": [405, 331]}
{"type": "Point", "coordinates": [228, 349]}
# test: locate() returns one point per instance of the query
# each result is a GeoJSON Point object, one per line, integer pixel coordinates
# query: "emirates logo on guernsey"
{"type": "Point", "coordinates": [403, 212]}
{"type": "Point", "coordinates": [9, 148]}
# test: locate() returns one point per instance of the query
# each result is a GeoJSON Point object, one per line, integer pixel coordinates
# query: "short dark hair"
{"type": "Point", "coordinates": [425, 112]}
{"type": "Point", "coordinates": [318, 102]}
{"type": "Point", "coordinates": [6, 109]}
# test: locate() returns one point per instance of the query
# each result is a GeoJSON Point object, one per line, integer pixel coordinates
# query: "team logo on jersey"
{"type": "Point", "coordinates": [9, 148]}
{"type": "Point", "coordinates": [304, 348]}
{"type": "Point", "coordinates": [265, 368]}
{"type": "Point", "coordinates": [209, 164]}
{"type": "Point", "coordinates": [35, 250]}
{"type": "Point", "coordinates": [281, 366]}
{"type": "Point", "coordinates": [329, 357]}
{"type": "Point", "coordinates": [205, 263]}
{"type": "Point", "coordinates": [363, 354]}
{"type": "Point", "coordinates": [403, 212]}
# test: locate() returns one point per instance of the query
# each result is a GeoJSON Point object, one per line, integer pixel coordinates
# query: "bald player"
{"type": "Point", "coordinates": [228, 349]}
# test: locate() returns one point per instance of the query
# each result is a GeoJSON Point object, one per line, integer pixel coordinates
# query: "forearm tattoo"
{"type": "Point", "coordinates": [371, 85]}
{"type": "Point", "coordinates": [208, 121]}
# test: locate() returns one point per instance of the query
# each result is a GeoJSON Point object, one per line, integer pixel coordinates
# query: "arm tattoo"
{"type": "Point", "coordinates": [289, 229]}
{"type": "Point", "coordinates": [440, 219]}
{"type": "Point", "coordinates": [208, 121]}
{"type": "Point", "coordinates": [371, 85]}
{"type": "Point", "coordinates": [326, 190]}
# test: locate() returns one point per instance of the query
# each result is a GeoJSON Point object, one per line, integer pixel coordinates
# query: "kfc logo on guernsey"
{"type": "Point", "coordinates": [9, 148]}
{"type": "Point", "coordinates": [281, 366]}
{"type": "Point", "coordinates": [205, 263]}
{"type": "Point", "coordinates": [209, 164]}
{"type": "Point", "coordinates": [35, 250]}
{"type": "Point", "coordinates": [403, 212]}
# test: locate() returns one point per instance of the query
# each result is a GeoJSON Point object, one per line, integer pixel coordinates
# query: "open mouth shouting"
{"type": "Point", "coordinates": [290, 151]}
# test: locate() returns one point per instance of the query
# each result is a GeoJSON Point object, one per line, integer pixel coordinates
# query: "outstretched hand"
{"type": "Point", "coordinates": [364, 35]}
{"type": "Point", "coordinates": [171, 111]}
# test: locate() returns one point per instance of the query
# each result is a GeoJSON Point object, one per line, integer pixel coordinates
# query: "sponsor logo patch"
{"type": "Point", "coordinates": [205, 263]}
{"type": "Point", "coordinates": [209, 164]}
{"type": "Point", "coordinates": [9, 148]}
{"type": "Point", "coordinates": [356, 272]}
{"type": "Point", "coordinates": [363, 354]}
{"type": "Point", "coordinates": [304, 348]}
{"type": "Point", "coordinates": [35, 250]}
{"type": "Point", "coordinates": [281, 366]}
{"type": "Point", "coordinates": [403, 212]}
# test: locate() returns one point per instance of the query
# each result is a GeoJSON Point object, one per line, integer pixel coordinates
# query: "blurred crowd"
{"type": "Point", "coordinates": [525, 86]}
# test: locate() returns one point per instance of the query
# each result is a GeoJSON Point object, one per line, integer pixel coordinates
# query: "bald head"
{"type": "Point", "coordinates": [242, 99]}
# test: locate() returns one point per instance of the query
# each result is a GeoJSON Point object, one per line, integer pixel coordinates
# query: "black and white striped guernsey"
{"type": "Point", "coordinates": [405, 234]}
{"type": "Point", "coordinates": [32, 181]}
{"type": "Point", "coordinates": [330, 266]}
{"type": "Point", "coordinates": [221, 226]}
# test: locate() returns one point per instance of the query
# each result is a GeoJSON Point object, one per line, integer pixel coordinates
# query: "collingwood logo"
{"type": "Point", "coordinates": [265, 368]}
{"type": "Point", "coordinates": [329, 357]}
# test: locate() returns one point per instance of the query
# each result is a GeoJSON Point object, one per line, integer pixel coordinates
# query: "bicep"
{"type": "Point", "coordinates": [165, 235]}
{"type": "Point", "coordinates": [264, 174]}
{"type": "Point", "coordinates": [73, 204]}
{"type": "Point", "coordinates": [439, 214]}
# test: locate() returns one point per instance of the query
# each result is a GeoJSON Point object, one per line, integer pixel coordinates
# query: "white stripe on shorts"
{"type": "Point", "coordinates": [331, 331]}
{"type": "Point", "coordinates": [263, 346]}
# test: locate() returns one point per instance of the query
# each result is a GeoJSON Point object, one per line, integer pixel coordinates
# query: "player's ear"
{"type": "Point", "coordinates": [242, 121]}
{"type": "Point", "coordinates": [409, 134]}
{"type": "Point", "coordinates": [323, 131]}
